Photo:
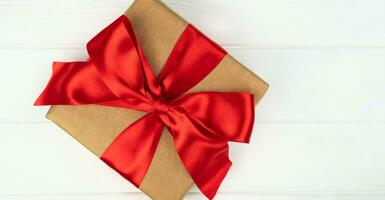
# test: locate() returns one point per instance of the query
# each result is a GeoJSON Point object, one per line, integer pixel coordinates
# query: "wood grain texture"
{"type": "Point", "coordinates": [274, 23]}
{"type": "Point", "coordinates": [330, 159]}
{"type": "Point", "coordinates": [195, 196]}
{"type": "Point", "coordinates": [319, 130]}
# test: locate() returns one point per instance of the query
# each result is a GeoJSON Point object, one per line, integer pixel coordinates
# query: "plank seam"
{"type": "Point", "coordinates": [374, 122]}
{"type": "Point", "coordinates": [265, 193]}
{"type": "Point", "coordinates": [226, 46]}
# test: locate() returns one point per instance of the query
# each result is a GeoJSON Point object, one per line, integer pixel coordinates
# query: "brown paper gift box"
{"type": "Point", "coordinates": [157, 28]}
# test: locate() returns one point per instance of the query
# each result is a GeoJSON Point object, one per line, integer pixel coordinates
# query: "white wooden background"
{"type": "Point", "coordinates": [319, 133]}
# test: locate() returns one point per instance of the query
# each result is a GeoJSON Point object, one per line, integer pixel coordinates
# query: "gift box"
{"type": "Point", "coordinates": [158, 29]}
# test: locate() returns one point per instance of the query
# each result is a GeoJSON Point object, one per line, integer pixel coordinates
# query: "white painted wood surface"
{"type": "Point", "coordinates": [319, 131]}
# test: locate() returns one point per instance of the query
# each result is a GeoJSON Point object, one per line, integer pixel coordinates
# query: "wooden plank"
{"type": "Point", "coordinates": [263, 24]}
{"type": "Point", "coordinates": [325, 85]}
{"type": "Point", "coordinates": [39, 158]}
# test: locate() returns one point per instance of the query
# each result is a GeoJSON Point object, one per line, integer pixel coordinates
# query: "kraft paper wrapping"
{"type": "Point", "coordinates": [157, 28]}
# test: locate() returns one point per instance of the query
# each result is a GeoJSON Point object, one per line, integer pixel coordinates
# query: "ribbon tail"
{"type": "Point", "coordinates": [203, 153]}
{"type": "Point", "coordinates": [131, 153]}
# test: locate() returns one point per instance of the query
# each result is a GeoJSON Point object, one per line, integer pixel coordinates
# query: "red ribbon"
{"type": "Point", "coordinates": [118, 74]}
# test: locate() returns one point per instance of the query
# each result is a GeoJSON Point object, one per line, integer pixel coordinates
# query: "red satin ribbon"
{"type": "Point", "coordinates": [118, 74]}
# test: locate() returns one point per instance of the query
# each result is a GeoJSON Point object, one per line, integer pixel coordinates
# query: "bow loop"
{"type": "Point", "coordinates": [231, 115]}
{"type": "Point", "coordinates": [59, 90]}
{"type": "Point", "coordinates": [194, 56]}
{"type": "Point", "coordinates": [120, 62]}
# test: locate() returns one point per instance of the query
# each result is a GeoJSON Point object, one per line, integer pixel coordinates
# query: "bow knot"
{"type": "Point", "coordinates": [160, 106]}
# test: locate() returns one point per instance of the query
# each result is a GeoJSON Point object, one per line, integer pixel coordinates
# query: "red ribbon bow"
{"type": "Point", "coordinates": [118, 74]}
